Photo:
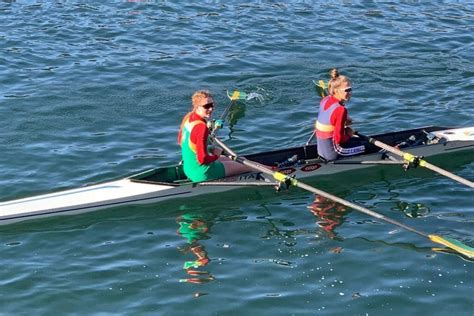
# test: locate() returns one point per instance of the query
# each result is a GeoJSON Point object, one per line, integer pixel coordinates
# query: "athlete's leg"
{"type": "Point", "coordinates": [354, 146]}
{"type": "Point", "coordinates": [233, 168]}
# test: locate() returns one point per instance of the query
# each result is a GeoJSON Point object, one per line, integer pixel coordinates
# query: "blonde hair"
{"type": "Point", "coordinates": [199, 95]}
{"type": "Point", "coordinates": [336, 80]}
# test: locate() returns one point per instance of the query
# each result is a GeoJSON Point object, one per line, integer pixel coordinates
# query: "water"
{"type": "Point", "coordinates": [91, 92]}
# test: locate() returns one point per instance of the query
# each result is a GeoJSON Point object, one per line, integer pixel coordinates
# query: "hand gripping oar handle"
{"type": "Point", "coordinates": [423, 163]}
{"type": "Point", "coordinates": [451, 243]}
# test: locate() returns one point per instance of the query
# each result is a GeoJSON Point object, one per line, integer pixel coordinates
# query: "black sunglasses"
{"type": "Point", "coordinates": [348, 89]}
{"type": "Point", "coordinates": [207, 106]}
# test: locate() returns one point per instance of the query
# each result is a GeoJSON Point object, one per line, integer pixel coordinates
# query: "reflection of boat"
{"type": "Point", "coordinates": [166, 183]}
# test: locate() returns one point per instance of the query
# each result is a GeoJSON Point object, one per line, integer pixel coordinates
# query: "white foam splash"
{"type": "Point", "coordinates": [254, 95]}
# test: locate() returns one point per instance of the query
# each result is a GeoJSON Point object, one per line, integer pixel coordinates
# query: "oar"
{"type": "Point", "coordinates": [310, 138]}
{"type": "Point", "coordinates": [418, 161]}
{"type": "Point", "coordinates": [448, 242]}
{"type": "Point", "coordinates": [321, 89]}
{"type": "Point", "coordinates": [237, 95]}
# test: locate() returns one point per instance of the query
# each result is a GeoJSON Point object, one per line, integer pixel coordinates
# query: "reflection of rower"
{"type": "Point", "coordinates": [194, 229]}
{"type": "Point", "coordinates": [330, 214]}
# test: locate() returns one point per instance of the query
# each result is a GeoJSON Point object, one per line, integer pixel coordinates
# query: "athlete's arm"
{"type": "Point", "coordinates": [199, 136]}
{"type": "Point", "coordinates": [338, 119]}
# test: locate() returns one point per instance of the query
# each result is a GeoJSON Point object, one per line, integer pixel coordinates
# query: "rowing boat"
{"type": "Point", "coordinates": [165, 183]}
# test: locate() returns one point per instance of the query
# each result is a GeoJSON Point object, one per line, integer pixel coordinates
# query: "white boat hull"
{"type": "Point", "coordinates": [129, 191]}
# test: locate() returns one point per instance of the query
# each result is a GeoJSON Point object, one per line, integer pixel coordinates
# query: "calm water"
{"type": "Point", "coordinates": [91, 92]}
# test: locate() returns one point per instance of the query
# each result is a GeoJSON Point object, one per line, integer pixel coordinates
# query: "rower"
{"type": "Point", "coordinates": [334, 136]}
{"type": "Point", "coordinates": [198, 163]}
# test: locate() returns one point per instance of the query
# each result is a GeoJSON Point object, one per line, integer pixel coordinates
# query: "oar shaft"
{"type": "Point", "coordinates": [359, 208]}
{"type": "Point", "coordinates": [447, 174]}
{"type": "Point", "coordinates": [369, 162]}
{"type": "Point", "coordinates": [226, 110]}
{"type": "Point", "coordinates": [310, 138]}
{"type": "Point", "coordinates": [422, 163]}
{"type": "Point", "coordinates": [391, 149]}
{"type": "Point", "coordinates": [223, 116]}
{"type": "Point", "coordinates": [281, 177]}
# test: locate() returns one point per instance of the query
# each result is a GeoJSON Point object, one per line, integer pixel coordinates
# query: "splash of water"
{"type": "Point", "coordinates": [255, 95]}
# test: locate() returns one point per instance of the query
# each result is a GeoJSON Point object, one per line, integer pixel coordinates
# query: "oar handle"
{"type": "Point", "coordinates": [377, 143]}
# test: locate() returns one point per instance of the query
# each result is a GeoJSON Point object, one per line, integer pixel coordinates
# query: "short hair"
{"type": "Point", "coordinates": [199, 95]}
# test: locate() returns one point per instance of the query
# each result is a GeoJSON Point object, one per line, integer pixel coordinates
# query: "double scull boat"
{"type": "Point", "coordinates": [165, 183]}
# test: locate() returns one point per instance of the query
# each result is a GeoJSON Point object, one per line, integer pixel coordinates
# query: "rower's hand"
{"type": "Point", "coordinates": [348, 121]}
{"type": "Point", "coordinates": [350, 131]}
{"type": "Point", "coordinates": [214, 125]}
{"type": "Point", "coordinates": [217, 151]}
{"type": "Point", "coordinates": [218, 124]}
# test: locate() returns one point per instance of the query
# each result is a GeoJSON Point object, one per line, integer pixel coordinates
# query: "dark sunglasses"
{"type": "Point", "coordinates": [347, 90]}
{"type": "Point", "coordinates": [208, 105]}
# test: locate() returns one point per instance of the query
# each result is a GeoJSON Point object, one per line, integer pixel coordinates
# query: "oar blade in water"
{"type": "Point", "coordinates": [237, 95]}
{"type": "Point", "coordinates": [321, 88]}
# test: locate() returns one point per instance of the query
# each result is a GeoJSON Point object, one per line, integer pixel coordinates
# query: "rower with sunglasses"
{"type": "Point", "coordinates": [334, 136]}
{"type": "Point", "coordinates": [198, 163]}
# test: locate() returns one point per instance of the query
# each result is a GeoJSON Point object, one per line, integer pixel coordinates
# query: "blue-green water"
{"type": "Point", "coordinates": [90, 92]}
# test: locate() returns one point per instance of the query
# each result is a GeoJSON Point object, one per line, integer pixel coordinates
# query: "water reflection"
{"type": "Point", "coordinates": [329, 213]}
{"type": "Point", "coordinates": [194, 228]}
{"type": "Point", "coordinates": [236, 112]}
{"type": "Point", "coordinates": [412, 210]}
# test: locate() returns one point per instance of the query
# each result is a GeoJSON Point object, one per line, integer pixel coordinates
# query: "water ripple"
{"type": "Point", "coordinates": [92, 91]}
